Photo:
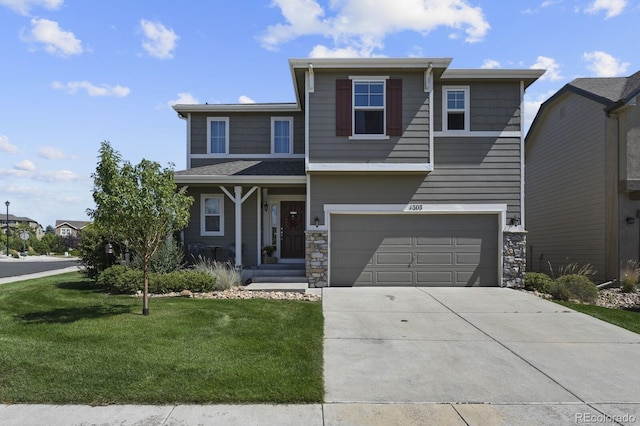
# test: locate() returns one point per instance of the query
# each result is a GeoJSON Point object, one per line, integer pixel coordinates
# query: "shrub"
{"type": "Point", "coordinates": [537, 281]}
{"type": "Point", "coordinates": [120, 279]}
{"type": "Point", "coordinates": [558, 290]}
{"type": "Point", "coordinates": [225, 274]}
{"type": "Point", "coordinates": [631, 273]}
{"type": "Point", "coordinates": [579, 287]}
{"type": "Point", "coordinates": [169, 257]}
{"type": "Point", "coordinates": [574, 269]}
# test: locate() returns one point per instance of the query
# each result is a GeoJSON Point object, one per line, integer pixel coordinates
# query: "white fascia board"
{"type": "Point", "coordinates": [477, 134]}
{"type": "Point", "coordinates": [187, 108]}
{"type": "Point", "coordinates": [221, 179]}
{"type": "Point", "coordinates": [527, 75]}
{"type": "Point", "coordinates": [369, 63]}
{"type": "Point", "coordinates": [370, 167]}
{"type": "Point", "coordinates": [250, 156]}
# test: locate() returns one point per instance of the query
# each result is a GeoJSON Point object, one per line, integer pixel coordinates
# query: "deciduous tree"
{"type": "Point", "coordinates": [140, 204]}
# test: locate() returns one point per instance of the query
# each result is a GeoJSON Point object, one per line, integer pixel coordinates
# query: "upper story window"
{"type": "Point", "coordinates": [369, 107]}
{"type": "Point", "coordinates": [455, 109]}
{"type": "Point", "coordinates": [64, 232]}
{"type": "Point", "coordinates": [282, 135]}
{"type": "Point", "coordinates": [218, 135]}
{"type": "Point", "coordinates": [211, 215]}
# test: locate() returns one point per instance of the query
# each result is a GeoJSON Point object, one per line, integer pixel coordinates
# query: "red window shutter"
{"type": "Point", "coordinates": [394, 107]}
{"type": "Point", "coordinates": [343, 107]}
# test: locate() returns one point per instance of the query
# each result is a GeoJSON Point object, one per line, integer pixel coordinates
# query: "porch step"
{"type": "Point", "coordinates": [296, 287]}
{"type": "Point", "coordinates": [277, 274]}
{"type": "Point", "coordinates": [284, 279]}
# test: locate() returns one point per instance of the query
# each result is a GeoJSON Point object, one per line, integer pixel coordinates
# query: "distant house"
{"type": "Point", "coordinates": [16, 222]}
{"type": "Point", "coordinates": [583, 177]}
{"type": "Point", "coordinates": [383, 172]}
{"type": "Point", "coordinates": [70, 228]}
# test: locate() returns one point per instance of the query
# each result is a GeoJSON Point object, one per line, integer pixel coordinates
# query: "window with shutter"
{"type": "Point", "coordinates": [368, 107]}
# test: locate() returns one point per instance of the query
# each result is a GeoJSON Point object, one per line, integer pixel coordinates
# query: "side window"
{"type": "Point", "coordinates": [455, 108]}
{"type": "Point", "coordinates": [282, 135]}
{"type": "Point", "coordinates": [212, 215]}
{"type": "Point", "coordinates": [217, 135]}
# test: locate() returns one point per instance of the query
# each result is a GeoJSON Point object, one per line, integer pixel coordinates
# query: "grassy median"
{"type": "Point", "coordinates": [63, 341]}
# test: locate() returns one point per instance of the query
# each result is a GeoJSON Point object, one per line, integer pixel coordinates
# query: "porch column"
{"type": "Point", "coordinates": [238, 202]}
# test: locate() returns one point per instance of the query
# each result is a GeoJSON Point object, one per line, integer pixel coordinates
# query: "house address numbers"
{"type": "Point", "coordinates": [414, 208]}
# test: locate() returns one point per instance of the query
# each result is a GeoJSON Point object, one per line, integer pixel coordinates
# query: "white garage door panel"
{"type": "Point", "coordinates": [414, 249]}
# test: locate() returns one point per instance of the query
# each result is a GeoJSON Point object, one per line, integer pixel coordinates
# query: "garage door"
{"type": "Point", "coordinates": [413, 249]}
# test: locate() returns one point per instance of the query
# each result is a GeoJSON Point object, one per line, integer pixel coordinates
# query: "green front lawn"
{"type": "Point", "coordinates": [625, 319]}
{"type": "Point", "coordinates": [63, 341]}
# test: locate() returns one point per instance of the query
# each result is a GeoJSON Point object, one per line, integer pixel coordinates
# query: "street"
{"type": "Point", "coordinates": [27, 266]}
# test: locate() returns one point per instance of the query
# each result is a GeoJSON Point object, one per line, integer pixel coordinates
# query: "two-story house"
{"type": "Point", "coordinates": [384, 171]}
{"type": "Point", "coordinates": [70, 228]}
{"type": "Point", "coordinates": [583, 177]}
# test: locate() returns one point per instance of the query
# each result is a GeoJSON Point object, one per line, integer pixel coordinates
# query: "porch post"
{"type": "Point", "coordinates": [238, 203]}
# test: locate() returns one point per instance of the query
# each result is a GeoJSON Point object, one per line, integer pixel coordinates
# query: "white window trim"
{"type": "Point", "coordinates": [445, 110]}
{"type": "Point", "coordinates": [64, 232]}
{"type": "Point", "coordinates": [226, 135]}
{"type": "Point", "coordinates": [375, 79]}
{"type": "Point", "coordinates": [273, 135]}
{"type": "Point", "coordinates": [203, 231]}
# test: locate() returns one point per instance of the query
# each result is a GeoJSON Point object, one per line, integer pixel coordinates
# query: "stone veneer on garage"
{"type": "Point", "coordinates": [316, 258]}
{"type": "Point", "coordinates": [514, 256]}
{"type": "Point", "coordinates": [514, 240]}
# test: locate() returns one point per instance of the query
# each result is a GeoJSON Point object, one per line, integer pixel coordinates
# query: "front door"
{"type": "Point", "coordinates": [292, 224]}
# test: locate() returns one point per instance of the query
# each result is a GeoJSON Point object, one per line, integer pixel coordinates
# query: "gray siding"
{"type": "Point", "coordinates": [565, 186]}
{"type": "Point", "coordinates": [249, 133]}
{"type": "Point", "coordinates": [493, 106]}
{"type": "Point", "coordinates": [411, 147]}
{"type": "Point", "coordinates": [466, 171]}
{"type": "Point", "coordinates": [227, 242]}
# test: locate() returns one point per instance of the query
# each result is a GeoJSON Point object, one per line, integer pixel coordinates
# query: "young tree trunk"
{"type": "Point", "coordinates": [145, 281]}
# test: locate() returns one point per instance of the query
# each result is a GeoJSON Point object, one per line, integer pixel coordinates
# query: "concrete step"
{"type": "Point", "coordinates": [279, 279]}
{"type": "Point", "coordinates": [271, 286]}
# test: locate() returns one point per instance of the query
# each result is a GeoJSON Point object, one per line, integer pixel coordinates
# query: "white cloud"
{"type": "Point", "coordinates": [552, 67]}
{"type": "Point", "coordinates": [360, 26]}
{"type": "Point", "coordinates": [24, 6]}
{"type": "Point", "coordinates": [246, 100]}
{"type": "Point", "coordinates": [51, 153]}
{"type": "Point", "coordinates": [532, 104]}
{"type": "Point", "coordinates": [490, 64]}
{"type": "Point", "coordinates": [91, 89]}
{"type": "Point", "coordinates": [604, 65]}
{"type": "Point", "coordinates": [320, 51]}
{"type": "Point", "coordinates": [159, 41]}
{"type": "Point", "coordinates": [6, 146]}
{"type": "Point", "coordinates": [42, 176]}
{"type": "Point", "coordinates": [56, 41]}
{"type": "Point", "coordinates": [25, 165]}
{"type": "Point", "coordinates": [184, 98]}
{"type": "Point", "coordinates": [610, 7]}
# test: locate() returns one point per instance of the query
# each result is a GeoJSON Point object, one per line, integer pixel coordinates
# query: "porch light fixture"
{"type": "Point", "coordinates": [265, 206]}
{"type": "Point", "coordinates": [631, 220]}
{"type": "Point", "coordinates": [514, 221]}
{"type": "Point", "coordinates": [316, 221]}
{"type": "Point", "coordinates": [6, 203]}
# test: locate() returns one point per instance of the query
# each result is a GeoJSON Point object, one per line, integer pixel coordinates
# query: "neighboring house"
{"type": "Point", "coordinates": [583, 177]}
{"type": "Point", "coordinates": [70, 228]}
{"type": "Point", "coordinates": [382, 172]}
{"type": "Point", "coordinates": [16, 222]}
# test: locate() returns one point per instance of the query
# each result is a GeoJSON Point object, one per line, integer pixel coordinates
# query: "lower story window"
{"type": "Point", "coordinates": [212, 215]}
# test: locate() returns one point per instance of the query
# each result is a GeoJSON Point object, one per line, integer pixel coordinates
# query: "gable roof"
{"type": "Point", "coordinates": [611, 92]}
{"type": "Point", "coordinates": [75, 224]}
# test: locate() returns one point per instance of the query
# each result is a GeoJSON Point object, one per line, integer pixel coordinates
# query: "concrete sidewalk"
{"type": "Point", "coordinates": [445, 356]}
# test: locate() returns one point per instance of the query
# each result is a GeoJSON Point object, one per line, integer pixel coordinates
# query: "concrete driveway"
{"type": "Point", "coordinates": [475, 355]}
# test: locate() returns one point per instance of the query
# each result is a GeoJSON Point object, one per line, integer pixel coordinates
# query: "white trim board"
{"type": "Point", "coordinates": [370, 167]}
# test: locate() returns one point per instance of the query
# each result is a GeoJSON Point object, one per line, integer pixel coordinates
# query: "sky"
{"type": "Point", "coordinates": [74, 73]}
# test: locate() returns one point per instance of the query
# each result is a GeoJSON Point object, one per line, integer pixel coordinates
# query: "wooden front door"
{"type": "Point", "coordinates": [292, 224]}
